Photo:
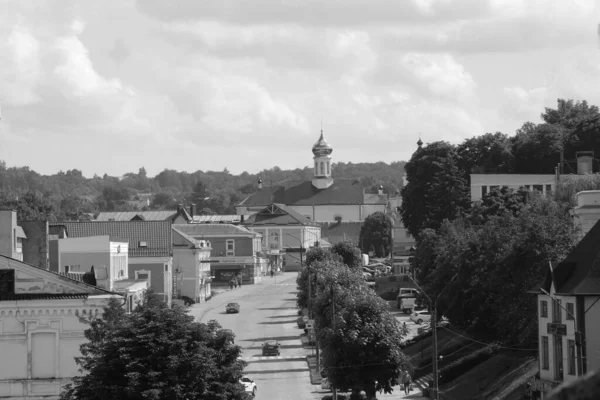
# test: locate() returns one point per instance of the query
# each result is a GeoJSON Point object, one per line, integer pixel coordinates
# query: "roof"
{"type": "Point", "coordinates": [21, 232]}
{"type": "Point", "coordinates": [336, 232]}
{"type": "Point", "coordinates": [278, 214]}
{"type": "Point", "coordinates": [142, 215]}
{"type": "Point", "coordinates": [156, 234]}
{"type": "Point", "coordinates": [216, 219]}
{"type": "Point", "coordinates": [579, 272]}
{"type": "Point", "coordinates": [341, 191]}
{"type": "Point", "coordinates": [209, 230]}
{"type": "Point", "coordinates": [44, 296]}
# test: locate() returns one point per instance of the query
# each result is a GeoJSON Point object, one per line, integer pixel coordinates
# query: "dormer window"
{"type": "Point", "coordinates": [143, 244]}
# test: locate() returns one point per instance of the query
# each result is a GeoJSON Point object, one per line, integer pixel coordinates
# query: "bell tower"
{"type": "Point", "coordinates": [322, 163]}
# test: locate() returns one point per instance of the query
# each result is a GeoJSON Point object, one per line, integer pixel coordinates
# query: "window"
{"type": "Point", "coordinates": [43, 355]}
{"type": "Point", "coordinates": [166, 267]}
{"type": "Point", "coordinates": [316, 168]}
{"type": "Point", "coordinates": [556, 311]}
{"type": "Point", "coordinates": [558, 358]}
{"type": "Point", "coordinates": [548, 189]}
{"type": "Point", "coordinates": [527, 187]}
{"type": "Point", "coordinates": [322, 168]}
{"type": "Point", "coordinates": [230, 247]}
{"type": "Point", "coordinates": [144, 274]}
{"type": "Point", "coordinates": [545, 353]}
{"type": "Point", "coordinates": [7, 282]}
{"type": "Point", "coordinates": [273, 240]}
{"type": "Point", "coordinates": [544, 309]}
{"type": "Point", "coordinates": [571, 355]}
{"type": "Point", "coordinates": [494, 188]}
{"type": "Point", "coordinates": [484, 191]}
{"type": "Point", "coordinates": [539, 188]}
{"type": "Point", "coordinates": [143, 244]}
{"type": "Point", "coordinates": [570, 311]}
{"type": "Point", "coordinates": [328, 168]}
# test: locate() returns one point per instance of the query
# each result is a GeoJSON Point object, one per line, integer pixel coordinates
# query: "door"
{"type": "Point", "coordinates": [558, 358]}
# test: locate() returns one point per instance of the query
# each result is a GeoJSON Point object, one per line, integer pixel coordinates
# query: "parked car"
{"type": "Point", "coordinates": [249, 386]}
{"type": "Point", "coordinates": [421, 316]}
{"type": "Point", "coordinates": [270, 348]}
{"type": "Point", "coordinates": [232, 308]}
{"type": "Point", "coordinates": [427, 326]}
{"type": "Point", "coordinates": [188, 301]}
{"type": "Point", "coordinates": [406, 303]}
{"type": "Point", "coordinates": [325, 384]}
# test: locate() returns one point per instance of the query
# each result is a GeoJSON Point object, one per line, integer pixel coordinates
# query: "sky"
{"type": "Point", "coordinates": [111, 86]}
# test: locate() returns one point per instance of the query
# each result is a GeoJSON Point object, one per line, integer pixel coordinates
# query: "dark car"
{"type": "Point", "coordinates": [188, 301]}
{"type": "Point", "coordinates": [232, 308]}
{"type": "Point", "coordinates": [270, 348]}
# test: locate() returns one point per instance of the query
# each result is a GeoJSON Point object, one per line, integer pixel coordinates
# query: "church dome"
{"type": "Point", "coordinates": [322, 148]}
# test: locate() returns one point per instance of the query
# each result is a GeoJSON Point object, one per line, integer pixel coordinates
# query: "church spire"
{"type": "Point", "coordinates": [322, 161]}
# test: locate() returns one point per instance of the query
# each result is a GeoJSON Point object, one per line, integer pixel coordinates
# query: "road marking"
{"type": "Point", "coordinates": [274, 358]}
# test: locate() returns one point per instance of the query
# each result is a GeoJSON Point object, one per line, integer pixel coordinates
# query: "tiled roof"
{"type": "Point", "coordinates": [218, 219]}
{"type": "Point", "coordinates": [342, 191]}
{"type": "Point", "coordinates": [43, 296]}
{"type": "Point", "coordinates": [336, 232]}
{"type": "Point", "coordinates": [209, 230]}
{"type": "Point", "coordinates": [129, 215]}
{"type": "Point", "coordinates": [278, 214]}
{"type": "Point", "coordinates": [579, 272]}
{"type": "Point", "coordinates": [156, 234]}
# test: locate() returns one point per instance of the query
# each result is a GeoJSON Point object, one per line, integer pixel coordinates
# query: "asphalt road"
{"type": "Point", "coordinates": [267, 311]}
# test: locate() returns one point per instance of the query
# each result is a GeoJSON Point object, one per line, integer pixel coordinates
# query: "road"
{"type": "Point", "coordinates": [268, 311]}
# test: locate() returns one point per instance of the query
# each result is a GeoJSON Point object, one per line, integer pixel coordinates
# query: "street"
{"type": "Point", "coordinates": [267, 311]}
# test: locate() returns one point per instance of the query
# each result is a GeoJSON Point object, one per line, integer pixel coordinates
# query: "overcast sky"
{"type": "Point", "coordinates": [110, 86]}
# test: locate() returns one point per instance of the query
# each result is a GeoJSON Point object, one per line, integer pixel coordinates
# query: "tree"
{"type": "Point", "coordinates": [162, 199]}
{"type": "Point", "coordinates": [489, 153]}
{"type": "Point", "coordinates": [316, 258]}
{"type": "Point", "coordinates": [360, 338]}
{"type": "Point", "coordinates": [156, 353]}
{"type": "Point", "coordinates": [32, 206]}
{"type": "Point", "coordinates": [498, 202]}
{"type": "Point", "coordinates": [376, 231]}
{"type": "Point", "coordinates": [349, 253]}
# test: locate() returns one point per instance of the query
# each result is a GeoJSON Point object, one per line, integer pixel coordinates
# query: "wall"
{"type": "Point", "coordinates": [54, 256]}
{"type": "Point", "coordinates": [513, 181]}
{"type": "Point", "coordinates": [160, 280]}
{"type": "Point", "coordinates": [42, 349]}
{"type": "Point", "coordinates": [368, 209]}
{"type": "Point", "coordinates": [8, 223]}
{"type": "Point", "coordinates": [85, 252]}
{"type": "Point", "coordinates": [35, 247]}
{"type": "Point", "coordinates": [327, 213]}
{"type": "Point", "coordinates": [243, 245]}
{"type": "Point", "coordinates": [587, 211]}
{"type": "Point", "coordinates": [592, 332]}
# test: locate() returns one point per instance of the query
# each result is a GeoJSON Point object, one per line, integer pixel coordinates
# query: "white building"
{"type": "Point", "coordinates": [482, 184]}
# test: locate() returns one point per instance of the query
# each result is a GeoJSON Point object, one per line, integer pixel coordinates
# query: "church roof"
{"type": "Point", "coordinates": [341, 192]}
{"type": "Point", "coordinates": [278, 214]}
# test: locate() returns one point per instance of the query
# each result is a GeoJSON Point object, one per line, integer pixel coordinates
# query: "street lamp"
{"type": "Point", "coordinates": [575, 329]}
{"type": "Point", "coordinates": [434, 333]}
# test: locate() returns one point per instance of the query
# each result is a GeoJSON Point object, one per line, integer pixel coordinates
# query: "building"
{"type": "Point", "coordinates": [24, 240]}
{"type": "Point", "coordinates": [150, 245]}
{"type": "Point", "coordinates": [41, 328]}
{"type": "Point", "coordinates": [286, 235]}
{"type": "Point", "coordinates": [11, 235]}
{"type": "Point", "coordinates": [482, 184]}
{"type": "Point", "coordinates": [236, 251]}
{"type": "Point", "coordinates": [568, 307]}
{"type": "Point", "coordinates": [219, 219]}
{"type": "Point", "coordinates": [178, 216]}
{"type": "Point", "coordinates": [191, 267]}
{"type": "Point", "coordinates": [323, 199]}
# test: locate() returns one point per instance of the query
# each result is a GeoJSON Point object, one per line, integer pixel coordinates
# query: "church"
{"type": "Point", "coordinates": [323, 199]}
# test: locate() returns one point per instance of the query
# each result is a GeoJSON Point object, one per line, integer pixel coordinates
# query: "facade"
{"type": "Point", "coordinates": [191, 267]}
{"type": "Point", "coordinates": [485, 183]}
{"type": "Point", "coordinates": [36, 246]}
{"type": "Point", "coordinates": [285, 236]}
{"type": "Point", "coordinates": [236, 251]}
{"type": "Point", "coordinates": [568, 307]}
{"type": "Point", "coordinates": [323, 199]}
{"type": "Point", "coordinates": [11, 235]}
{"type": "Point", "coordinates": [41, 328]}
{"type": "Point", "coordinates": [150, 254]}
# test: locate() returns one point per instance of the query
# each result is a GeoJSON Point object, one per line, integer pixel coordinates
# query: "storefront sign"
{"type": "Point", "coordinates": [557, 329]}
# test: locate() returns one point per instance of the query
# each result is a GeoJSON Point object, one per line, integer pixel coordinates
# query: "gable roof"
{"type": "Point", "coordinates": [579, 272]}
{"type": "Point", "coordinates": [278, 214]}
{"type": "Point", "coordinates": [63, 287]}
{"type": "Point", "coordinates": [156, 234]}
{"type": "Point", "coordinates": [208, 230]}
{"type": "Point", "coordinates": [136, 215]}
{"type": "Point", "coordinates": [341, 191]}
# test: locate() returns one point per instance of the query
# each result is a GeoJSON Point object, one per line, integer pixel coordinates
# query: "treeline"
{"type": "Point", "coordinates": [68, 195]}
{"type": "Point", "coordinates": [480, 260]}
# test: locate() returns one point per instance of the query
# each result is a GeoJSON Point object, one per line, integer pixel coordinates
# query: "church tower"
{"type": "Point", "coordinates": [322, 157]}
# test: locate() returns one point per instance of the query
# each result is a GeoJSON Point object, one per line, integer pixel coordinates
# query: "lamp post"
{"type": "Point", "coordinates": [576, 332]}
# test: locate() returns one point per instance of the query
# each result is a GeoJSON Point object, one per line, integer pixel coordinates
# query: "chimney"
{"type": "Point", "coordinates": [259, 183]}
{"type": "Point", "coordinates": [192, 210]}
{"type": "Point", "coordinates": [380, 192]}
{"type": "Point", "coordinates": [584, 162]}
{"type": "Point", "coordinates": [587, 211]}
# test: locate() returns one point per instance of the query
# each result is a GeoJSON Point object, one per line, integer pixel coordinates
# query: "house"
{"type": "Point", "coordinates": [568, 306]}
{"type": "Point", "coordinates": [191, 267]}
{"type": "Point", "coordinates": [104, 258]}
{"type": "Point", "coordinates": [323, 199]}
{"type": "Point", "coordinates": [24, 240]}
{"type": "Point", "coordinates": [481, 184]}
{"type": "Point", "coordinates": [286, 235]}
{"type": "Point", "coordinates": [236, 251]}
{"type": "Point", "coordinates": [150, 246]}
{"type": "Point", "coordinates": [178, 216]}
{"type": "Point", "coordinates": [41, 329]}
{"type": "Point", "coordinates": [11, 235]}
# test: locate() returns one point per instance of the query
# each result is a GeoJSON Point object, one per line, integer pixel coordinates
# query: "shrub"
{"type": "Point", "coordinates": [459, 367]}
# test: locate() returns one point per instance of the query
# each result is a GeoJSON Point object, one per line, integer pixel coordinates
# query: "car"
{"type": "Point", "coordinates": [421, 316]}
{"type": "Point", "coordinates": [271, 348]}
{"type": "Point", "coordinates": [249, 386]}
{"type": "Point", "coordinates": [188, 301]}
{"type": "Point", "coordinates": [427, 326]}
{"type": "Point", "coordinates": [325, 384]}
{"type": "Point", "coordinates": [232, 308]}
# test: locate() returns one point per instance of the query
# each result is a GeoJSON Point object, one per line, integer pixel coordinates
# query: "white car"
{"type": "Point", "coordinates": [249, 386]}
{"type": "Point", "coordinates": [420, 316]}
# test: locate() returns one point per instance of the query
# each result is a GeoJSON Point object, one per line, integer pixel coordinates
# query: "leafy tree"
{"type": "Point", "coordinates": [349, 253]}
{"type": "Point", "coordinates": [489, 153]}
{"type": "Point", "coordinates": [316, 257]}
{"type": "Point", "coordinates": [32, 206]}
{"type": "Point", "coordinates": [376, 231]}
{"type": "Point", "coordinates": [156, 353]}
{"type": "Point", "coordinates": [498, 202]}
{"type": "Point", "coordinates": [360, 338]}
{"type": "Point", "coordinates": [162, 200]}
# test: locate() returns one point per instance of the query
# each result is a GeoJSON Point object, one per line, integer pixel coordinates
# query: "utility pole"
{"type": "Point", "coordinates": [317, 342]}
{"type": "Point", "coordinates": [435, 351]}
{"type": "Point", "coordinates": [334, 390]}
{"type": "Point", "coordinates": [562, 153]}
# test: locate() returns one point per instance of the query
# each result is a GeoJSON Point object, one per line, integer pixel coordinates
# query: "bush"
{"type": "Point", "coordinates": [459, 367]}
